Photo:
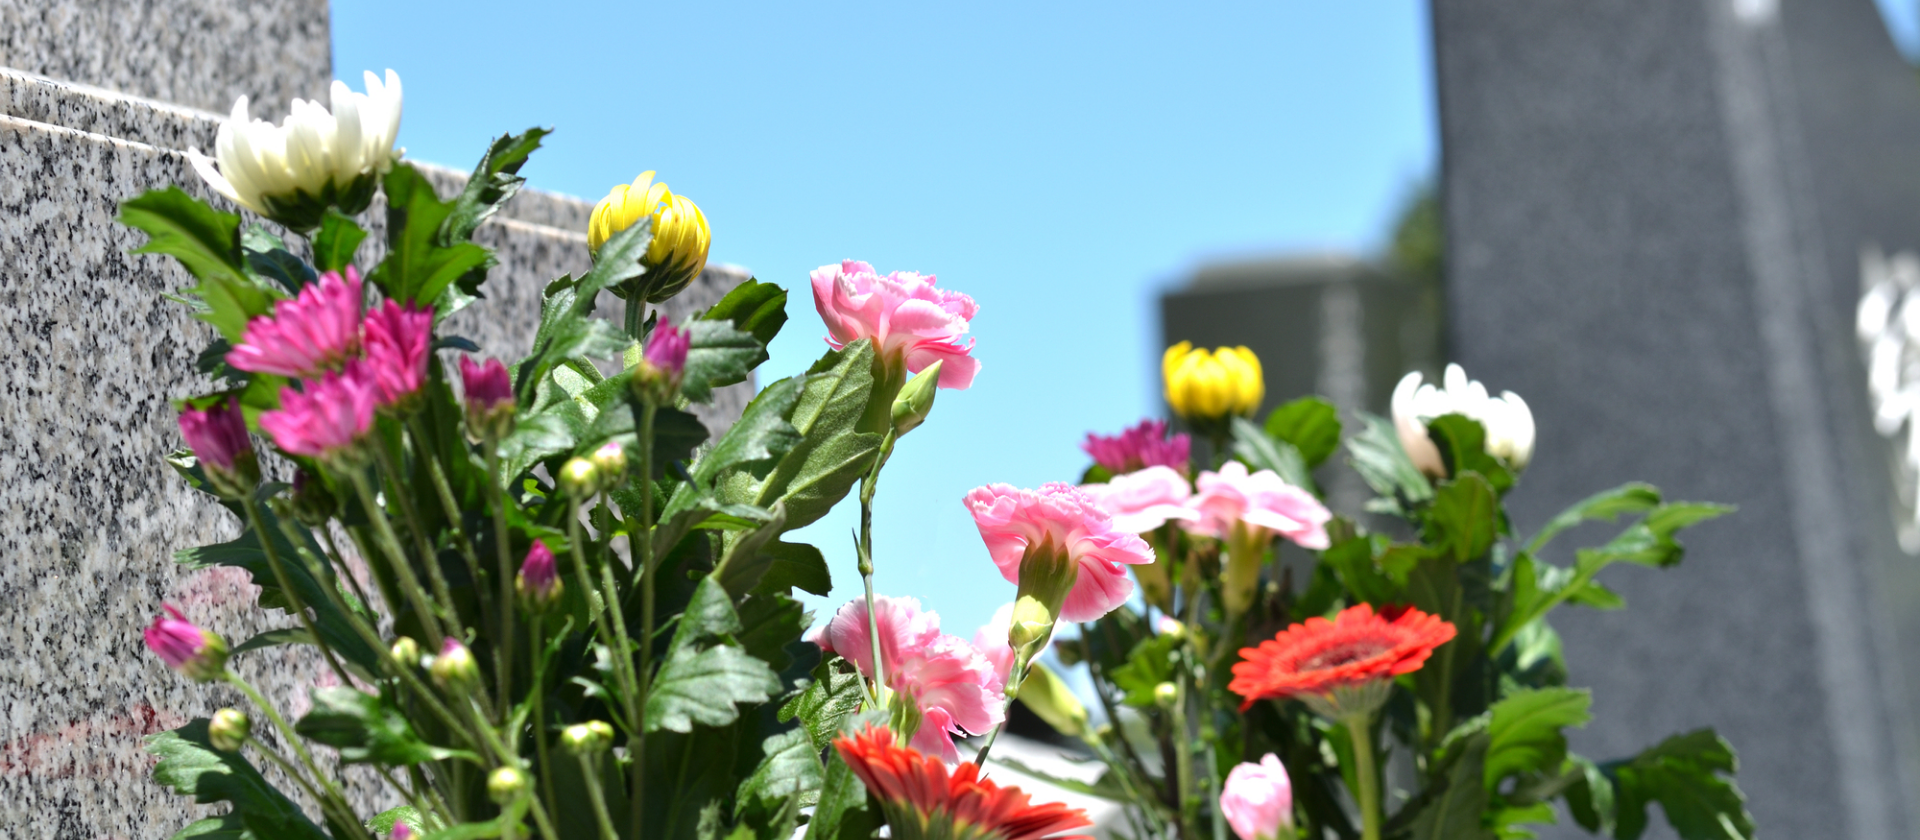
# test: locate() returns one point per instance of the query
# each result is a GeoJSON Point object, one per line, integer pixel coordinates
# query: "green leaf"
{"type": "Point", "coordinates": [337, 242]}
{"type": "Point", "coordinates": [831, 455]}
{"type": "Point", "coordinates": [845, 812]}
{"type": "Point", "coordinates": [190, 766]}
{"type": "Point", "coordinates": [1311, 424]}
{"type": "Point", "coordinates": [1149, 664]}
{"type": "Point", "coordinates": [1590, 798]}
{"type": "Point", "coordinates": [1353, 560]}
{"type": "Point", "coordinates": [703, 687]}
{"type": "Point", "coordinates": [207, 242]}
{"type": "Point", "coordinates": [418, 267]}
{"type": "Point", "coordinates": [383, 822]}
{"type": "Point", "coordinates": [1107, 787]}
{"type": "Point", "coordinates": [1455, 813]}
{"type": "Point", "coordinates": [754, 307]}
{"type": "Point", "coordinates": [794, 564]}
{"type": "Point", "coordinates": [1260, 452]}
{"type": "Point", "coordinates": [709, 614]}
{"type": "Point", "coordinates": [758, 439]}
{"type": "Point", "coordinates": [1466, 517]}
{"type": "Point", "coordinates": [563, 334]}
{"type": "Point", "coordinates": [823, 703]}
{"type": "Point", "coordinates": [224, 827]}
{"type": "Point", "coordinates": [1462, 442]}
{"type": "Point", "coordinates": [1526, 731]}
{"type": "Point", "coordinates": [1682, 773]}
{"type": "Point", "coordinates": [365, 729]}
{"type": "Point", "coordinates": [495, 181]}
{"type": "Point", "coordinates": [718, 355]}
{"type": "Point", "coordinates": [275, 638]}
{"type": "Point", "coordinates": [1384, 465]}
{"type": "Point", "coordinates": [791, 768]}
{"type": "Point", "coordinates": [1606, 505]}
{"type": "Point", "coordinates": [769, 622]}
{"type": "Point", "coordinates": [268, 259]}
{"type": "Point", "coordinates": [1509, 823]}
{"type": "Point", "coordinates": [617, 262]}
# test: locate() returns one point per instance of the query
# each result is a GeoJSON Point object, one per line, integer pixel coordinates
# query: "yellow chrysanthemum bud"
{"type": "Point", "coordinates": [678, 252]}
{"type": "Point", "coordinates": [1212, 384]}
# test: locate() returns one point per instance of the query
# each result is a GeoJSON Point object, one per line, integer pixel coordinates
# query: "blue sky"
{"type": "Point", "coordinates": [1061, 165]}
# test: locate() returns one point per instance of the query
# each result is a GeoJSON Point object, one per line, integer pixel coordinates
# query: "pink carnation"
{"type": "Point", "coordinates": [217, 434]}
{"type": "Point", "coordinates": [1144, 445]}
{"type": "Point", "coordinates": [1010, 519]}
{"type": "Point", "coordinates": [950, 681]}
{"type": "Point", "coordinates": [397, 341]}
{"type": "Point", "coordinates": [1257, 799]}
{"type": "Point", "coordinates": [1144, 500]}
{"type": "Point", "coordinates": [1262, 499]}
{"type": "Point", "coordinates": [327, 418]}
{"type": "Point", "coordinates": [903, 313]}
{"type": "Point", "coordinates": [318, 330]}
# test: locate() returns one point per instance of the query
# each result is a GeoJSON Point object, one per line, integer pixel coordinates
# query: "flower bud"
{"type": "Point", "coordinates": [218, 437]}
{"type": "Point", "coordinates": [915, 401]}
{"type": "Point", "coordinates": [199, 655]}
{"type": "Point", "coordinates": [664, 364]}
{"type": "Point", "coordinates": [587, 738]}
{"type": "Point", "coordinates": [401, 831]}
{"type": "Point", "coordinates": [611, 460]}
{"type": "Point", "coordinates": [454, 668]}
{"type": "Point", "coordinates": [1210, 386]}
{"type": "Point", "coordinates": [538, 583]}
{"type": "Point", "coordinates": [579, 478]}
{"type": "Point", "coordinates": [505, 785]}
{"type": "Point", "coordinates": [1165, 695]}
{"type": "Point", "coordinates": [489, 392]}
{"type": "Point", "coordinates": [1049, 698]}
{"type": "Point", "coordinates": [228, 729]}
{"type": "Point", "coordinates": [406, 652]}
{"type": "Point", "coordinates": [678, 252]}
{"type": "Point", "coordinates": [1257, 800]}
{"type": "Point", "coordinates": [1170, 627]}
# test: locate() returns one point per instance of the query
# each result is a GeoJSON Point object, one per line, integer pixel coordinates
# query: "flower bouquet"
{"type": "Point", "coordinates": [552, 603]}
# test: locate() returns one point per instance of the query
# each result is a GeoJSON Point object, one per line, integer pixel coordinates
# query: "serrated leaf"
{"type": "Point", "coordinates": [790, 768]}
{"type": "Point", "coordinates": [383, 822]}
{"type": "Point", "coordinates": [768, 623]}
{"type": "Point", "coordinates": [1465, 518]}
{"type": "Point", "coordinates": [718, 355]}
{"type": "Point", "coordinates": [794, 564]}
{"type": "Point", "coordinates": [831, 454]}
{"type": "Point", "coordinates": [365, 729]}
{"type": "Point", "coordinates": [1149, 664]}
{"type": "Point", "coordinates": [1353, 560]}
{"type": "Point", "coordinates": [494, 182]}
{"type": "Point", "coordinates": [709, 614]}
{"type": "Point", "coordinates": [1462, 442]}
{"type": "Point", "coordinates": [1590, 798]}
{"type": "Point", "coordinates": [1527, 731]}
{"type": "Point", "coordinates": [617, 262]}
{"type": "Point", "coordinates": [1311, 424]}
{"type": "Point", "coordinates": [190, 766]}
{"type": "Point", "coordinates": [1682, 773]}
{"type": "Point", "coordinates": [1252, 446]}
{"type": "Point", "coordinates": [1455, 813]}
{"type": "Point", "coordinates": [207, 243]}
{"type": "Point", "coordinates": [823, 704]}
{"type": "Point", "coordinates": [418, 267]}
{"type": "Point", "coordinates": [564, 333]}
{"type": "Point", "coordinates": [1377, 455]}
{"type": "Point", "coordinates": [755, 307]}
{"type": "Point", "coordinates": [704, 686]}
{"type": "Point", "coordinates": [758, 439]}
{"type": "Point", "coordinates": [337, 242]}
{"type": "Point", "coordinates": [268, 259]}
{"type": "Point", "coordinates": [1606, 505]}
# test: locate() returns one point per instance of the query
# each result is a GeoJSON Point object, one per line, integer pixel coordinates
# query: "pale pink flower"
{"type": "Point", "coordinates": [1257, 799]}
{"type": "Point", "coordinates": [1144, 445]}
{"type": "Point", "coordinates": [327, 418]}
{"type": "Point", "coordinates": [318, 330]}
{"type": "Point", "coordinates": [1263, 500]}
{"type": "Point", "coordinates": [1010, 519]}
{"type": "Point", "coordinates": [904, 315]}
{"type": "Point", "coordinates": [397, 341]}
{"type": "Point", "coordinates": [1143, 500]}
{"type": "Point", "coordinates": [947, 679]}
{"type": "Point", "coordinates": [217, 434]}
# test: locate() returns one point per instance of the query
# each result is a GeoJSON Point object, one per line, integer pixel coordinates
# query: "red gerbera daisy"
{"type": "Point", "coordinates": [922, 802]}
{"type": "Point", "coordinates": [1340, 667]}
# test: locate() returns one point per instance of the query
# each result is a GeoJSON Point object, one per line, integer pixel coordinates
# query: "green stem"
{"type": "Point", "coordinates": [598, 604]}
{"type": "Point", "coordinates": [456, 521]}
{"type": "Point", "coordinates": [539, 691]}
{"type": "Point", "coordinates": [498, 501]}
{"type": "Point", "coordinates": [868, 485]}
{"type": "Point", "coordinates": [402, 567]}
{"type": "Point", "coordinates": [1183, 754]}
{"type": "Point", "coordinates": [546, 825]}
{"type": "Point", "coordinates": [428, 557]}
{"type": "Point", "coordinates": [328, 795]}
{"type": "Point", "coordinates": [640, 537]}
{"type": "Point", "coordinates": [338, 810]}
{"type": "Point", "coordinates": [296, 604]}
{"type": "Point", "coordinates": [1016, 676]}
{"type": "Point", "coordinates": [598, 796]}
{"type": "Point", "coordinates": [1361, 729]}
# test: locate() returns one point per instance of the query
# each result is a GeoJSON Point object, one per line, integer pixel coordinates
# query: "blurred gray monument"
{"type": "Point", "coordinates": [1678, 230]}
{"type": "Point", "coordinates": [98, 101]}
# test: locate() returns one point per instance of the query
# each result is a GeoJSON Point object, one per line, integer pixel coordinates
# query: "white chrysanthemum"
{"type": "Point", "coordinates": [1506, 418]}
{"type": "Point", "coordinates": [315, 157]}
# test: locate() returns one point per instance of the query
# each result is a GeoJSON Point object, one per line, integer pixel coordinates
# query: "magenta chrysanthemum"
{"type": "Point", "coordinates": [951, 683]}
{"type": "Point", "coordinates": [318, 330]}
{"type": "Point", "coordinates": [903, 313]}
{"type": "Point", "coordinates": [327, 419]}
{"type": "Point", "coordinates": [397, 341]}
{"type": "Point", "coordinates": [185, 648]}
{"type": "Point", "coordinates": [1261, 499]}
{"type": "Point", "coordinates": [217, 434]}
{"type": "Point", "coordinates": [1011, 519]}
{"type": "Point", "coordinates": [487, 385]}
{"type": "Point", "coordinates": [1144, 445]}
{"type": "Point", "coordinates": [667, 348]}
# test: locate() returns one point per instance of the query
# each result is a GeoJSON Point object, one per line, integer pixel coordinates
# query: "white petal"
{"type": "Point", "coordinates": [1523, 430]}
{"type": "Point", "coordinates": [349, 145]}
{"type": "Point", "coordinates": [1455, 379]}
{"type": "Point", "coordinates": [204, 165]}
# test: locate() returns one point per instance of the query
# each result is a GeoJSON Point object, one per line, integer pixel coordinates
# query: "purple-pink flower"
{"type": "Point", "coordinates": [951, 683]}
{"type": "Point", "coordinates": [1257, 799]}
{"type": "Point", "coordinates": [1144, 445]}
{"type": "Point", "coordinates": [1146, 499]}
{"type": "Point", "coordinates": [667, 349]}
{"type": "Point", "coordinates": [193, 652]}
{"type": "Point", "coordinates": [539, 576]}
{"type": "Point", "coordinates": [397, 341]}
{"type": "Point", "coordinates": [217, 434]}
{"type": "Point", "coordinates": [1261, 499]}
{"type": "Point", "coordinates": [487, 385]}
{"type": "Point", "coordinates": [318, 330]}
{"type": "Point", "coordinates": [1011, 519]}
{"type": "Point", "coordinates": [904, 314]}
{"type": "Point", "coordinates": [328, 418]}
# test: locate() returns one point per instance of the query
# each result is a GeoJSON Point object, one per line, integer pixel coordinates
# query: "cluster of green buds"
{"type": "Point", "coordinates": [590, 738]}
{"type": "Point", "coordinates": [229, 729]}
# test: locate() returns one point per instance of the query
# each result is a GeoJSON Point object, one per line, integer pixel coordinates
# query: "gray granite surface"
{"type": "Point", "coordinates": [200, 53]}
{"type": "Point", "coordinates": [1653, 212]}
{"type": "Point", "coordinates": [90, 355]}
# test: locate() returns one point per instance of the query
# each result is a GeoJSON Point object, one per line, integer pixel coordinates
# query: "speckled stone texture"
{"type": "Point", "coordinates": [90, 355]}
{"type": "Point", "coordinates": [200, 53]}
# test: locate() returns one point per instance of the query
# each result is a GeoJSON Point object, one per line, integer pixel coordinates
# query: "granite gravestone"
{"type": "Point", "coordinates": [1655, 214]}
{"type": "Point", "coordinates": [91, 354]}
